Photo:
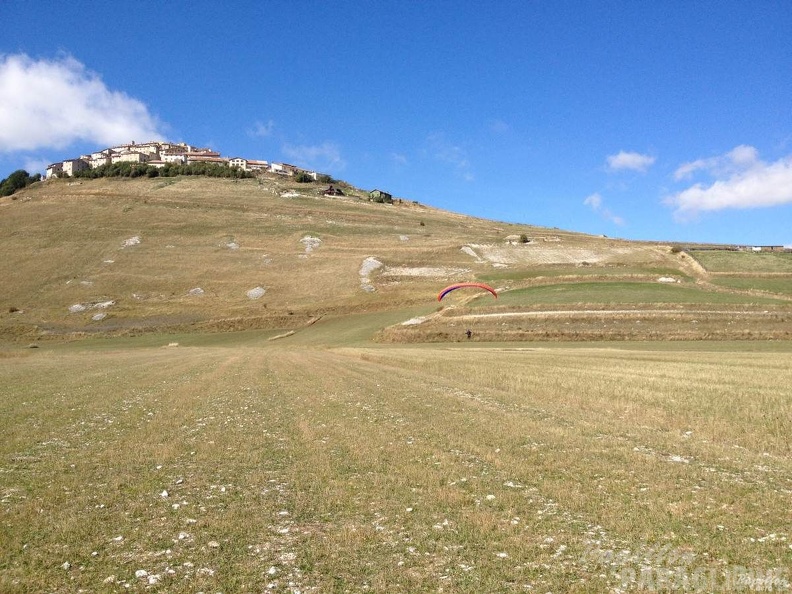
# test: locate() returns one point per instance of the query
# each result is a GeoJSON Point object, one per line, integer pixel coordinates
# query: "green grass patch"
{"type": "Point", "coordinates": [581, 271]}
{"type": "Point", "coordinates": [616, 293]}
{"type": "Point", "coordinates": [726, 261]}
{"type": "Point", "coordinates": [781, 285]}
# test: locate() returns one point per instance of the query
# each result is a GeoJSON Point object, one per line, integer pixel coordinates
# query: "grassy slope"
{"type": "Point", "coordinates": [64, 246]}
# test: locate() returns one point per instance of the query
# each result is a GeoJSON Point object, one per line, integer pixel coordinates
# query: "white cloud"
{"type": "Point", "coordinates": [322, 157]}
{"type": "Point", "coordinates": [53, 103]}
{"type": "Point", "coordinates": [595, 203]}
{"type": "Point", "coordinates": [262, 129]}
{"type": "Point", "coordinates": [738, 159]}
{"type": "Point", "coordinates": [630, 161]}
{"type": "Point", "coordinates": [399, 159]}
{"type": "Point", "coordinates": [499, 127]}
{"type": "Point", "coordinates": [749, 183]}
{"type": "Point", "coordinates": [440, 149]}
{"type": "Point", "coordinates": [35, 165]}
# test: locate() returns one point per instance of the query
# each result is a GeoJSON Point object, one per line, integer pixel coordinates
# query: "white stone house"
{"type": "Point", "coordinates": [255, 165]}
{"type": "Point", "coordinates": [203, 158]}
{"type": "Point", "coordinates": [238, 162]}
{"type": "Point", "coordinates": [70, 166]}
{"type": "Point", "coordinates": [130, 157]}
{"type": "Point", "coordinates": [54, 170]}
{"type": "Point", "coordinates": [172, 156]}
{"type": "Point", "coordinates": [282, 168]}
{"type": "Point", "coordinates": [150, 149]}
{"type": "Point", "coordinates": [100, 158]}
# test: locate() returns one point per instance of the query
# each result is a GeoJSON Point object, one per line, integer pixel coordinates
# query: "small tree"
{"type": "Point", "coordinates": [16, 181]}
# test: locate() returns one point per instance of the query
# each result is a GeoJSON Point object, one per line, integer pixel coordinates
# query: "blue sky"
{"type": "Point", "coordinates": [645, 120]}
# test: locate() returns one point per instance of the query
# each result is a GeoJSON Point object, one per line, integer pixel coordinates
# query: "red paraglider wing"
{"type": "Point", "coordinates": [456, 286]}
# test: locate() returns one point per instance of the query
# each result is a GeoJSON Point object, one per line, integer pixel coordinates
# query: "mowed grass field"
{"type": "Point", "coordinates": [298, 465]}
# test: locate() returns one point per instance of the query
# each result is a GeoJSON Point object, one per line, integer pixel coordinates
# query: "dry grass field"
{"type": "Point", "coordinates": [601, 431]}
{"type": "Point", "coordinates": [261, 467]}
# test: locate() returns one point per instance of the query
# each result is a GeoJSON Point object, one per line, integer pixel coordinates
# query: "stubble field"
{"type": "Point", "coordinates": [283, 467]}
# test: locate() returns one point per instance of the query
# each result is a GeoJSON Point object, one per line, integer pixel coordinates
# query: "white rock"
{"type": "Point", "coordinates": [98, 317]}
{"type": "Point", "coordinates": [196, 291]}
{"type": "Point", "coordinates": [141, 573]}
{"type": "Point", "coordinates": [256, 293]}
{"type": "Point", "coordinates": [66, 566]}
{"type": "Point", "coordinates": [414, 321]}
{"type": "Point", "coordinates": [77, 308]}
{"type": "Point", "coordinates": [103, 304]}
{"type": "Point", "coordinates": [131, 241]}
{"type": "Point", "coordinates": [310, 243]}
{"type": "Point", "coordinates": [369, 265]}
{"type": "Point", "coordinates": [164, 494]}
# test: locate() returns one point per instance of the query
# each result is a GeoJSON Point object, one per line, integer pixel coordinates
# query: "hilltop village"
{"type": "Point", "coordinates": [159, 154]}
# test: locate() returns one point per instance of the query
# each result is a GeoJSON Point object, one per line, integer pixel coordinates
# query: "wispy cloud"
{"type": "Point", "coordinates": [440, 149]}
{"type": "Point", "coordinates": [738, 159]}
{"type": "Point", "coordinates": [398, 158]}
{"type": "Point", "coordinates": [321, 157]}
{"type": "Point", "coordinates": [36, 165]}
{"type": "Point", "coordinates": [742, 180]}
{"type": "Point", "coordinates": [54, 103]}
{"type": "Point", "coordinates": [624, 161]}
{"type": "Point", "coordinates": [499, 127]}
{"type": "Point", "coordinates": [262, 129]}
{"type": "Point", "coordinates": [595, 203]}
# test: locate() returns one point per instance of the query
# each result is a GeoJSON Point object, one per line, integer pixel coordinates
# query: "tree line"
{"type": "Point", "coordinates": [126, 169]}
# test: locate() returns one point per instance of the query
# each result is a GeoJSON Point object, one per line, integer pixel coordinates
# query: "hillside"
{"type": "Point", "coordinates": [123, 256]}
